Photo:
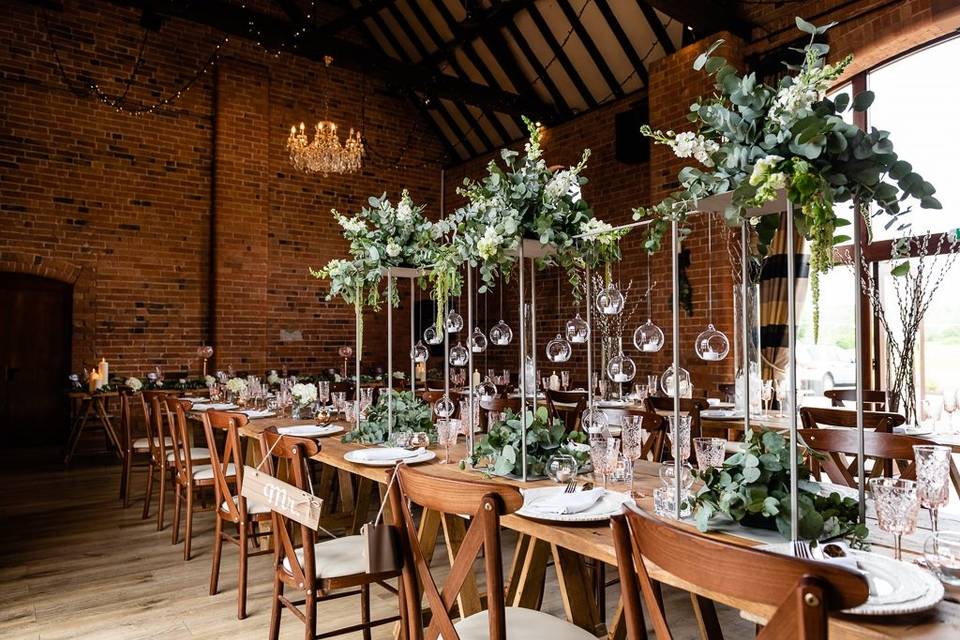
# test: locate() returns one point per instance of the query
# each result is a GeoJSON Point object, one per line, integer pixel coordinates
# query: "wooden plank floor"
{"type": "Point", "coordinates": [74, 564]}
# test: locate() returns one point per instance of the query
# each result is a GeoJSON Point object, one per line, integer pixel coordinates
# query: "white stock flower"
{"type": "Point", "coordinates": [762, 168]}
{"type": "Point", "coordinates": [689, 144]}
{"type": "Point", "coordinates": [236, 385]}
{"type": "Point", "coordinates": [354, 225]}
{"type": "Point", "coordinates": [393, 249]}
{"type": "Point", "coordinates": [488, 244]}
{"type": "Point", "coordinates": [404, 211]}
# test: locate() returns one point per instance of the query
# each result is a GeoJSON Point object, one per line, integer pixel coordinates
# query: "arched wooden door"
{"type": "Point", "coordinates": [35, 335]}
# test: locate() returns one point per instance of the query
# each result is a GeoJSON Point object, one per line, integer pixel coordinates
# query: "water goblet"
{"type": "Point", "coordinates": [631, 433]}
{"type": "Point", "coordinates": [933, 407]}
{"type": "Point", "coordinates": [349, 412]}
{"type": "Point", "coordinates": [447, 433]}
{"type": "Point", "coordinates": [561, 468]}
{"type": "Point", "coordinates": [933, 478]}
{"type": "Point", "coordinates": [323, 391]}
{"type": "Point", "coordinates": [600, 458]}
{"type": "Point", "coordinates": [949, 406]}
{"type": "Point", "coordinates": [565, 379]}
{"type": "Point", "coordinates": [653, 382]}
{"type": "Point", "coordinates": [680, 432]}
{"type": "Point", "coordinates": [710, 452]}
{"type": "Point", "coordinates": [766, 394]}
{"type": "Point", "coordinates": [897, 503]}
{"type": "Point", "coordinates": [942, 553]}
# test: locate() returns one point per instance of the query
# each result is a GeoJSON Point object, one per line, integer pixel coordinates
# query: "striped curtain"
{"type": "Point", "coordinates": [773, 300]}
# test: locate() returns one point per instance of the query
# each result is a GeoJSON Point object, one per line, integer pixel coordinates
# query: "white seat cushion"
{"type": "Point", "coordinates": [205, 471]}
{"type": "Point", "coordinates": [252, 507]}
{"type": "Point", "coordinates": [344, 556]}
{"type": "Point", "coordinates": [522, 623]}
{"type": "Point", "coordinates": [144, 443]}
{"type": "Point", "coordinates": [196, 453]}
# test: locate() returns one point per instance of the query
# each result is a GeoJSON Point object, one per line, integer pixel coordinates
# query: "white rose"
{"type": "Point", "coordinates": [393, 249]}
{"type": "Point", "coordinates": [134, 383]}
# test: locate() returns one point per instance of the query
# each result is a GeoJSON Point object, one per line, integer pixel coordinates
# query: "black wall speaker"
{"type": "Point", "coordinates": [632, 147]}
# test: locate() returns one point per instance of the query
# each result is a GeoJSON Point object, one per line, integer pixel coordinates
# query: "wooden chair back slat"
{"type": "Point", "coordinates": [567, 406]}
{"type": "Point", "coordinates": [180, 436]}
{"type": "Point", "coordinates": [295, 451]}
{"type": "Point", "coordinates": [742, 573]}
{"type": "Point", "coordinates": [880, 421]}
{"type": "Point", "coordinates": [883, 446]}
{"type": "Point", "coordinates": [496, 404]}
{"type": "Point", "coordinates": [486, 502]}
{"type": "Point", "coordinates": [230, 423]}
{"type": "Point", "coordinates": [154, 412]}
{"type": "Point", "coordinates": [878, 400]}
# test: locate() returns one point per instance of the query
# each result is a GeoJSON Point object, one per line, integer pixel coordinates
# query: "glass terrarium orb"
{"type": "Point", "coordinates": [443, 407]}
{"type": "Point", "coordinates": [420, 352]}
{"type": "Point", "coordinates": [683, 383]}
{"type": "Point", "coordinates": [712, 345]}
{"type": "Point", "coordinates": [594, 422]}
{"type": "Point", "coordinates": [648, 338]}
{"type": "Point", "coordinates": [621, 368]}
{"type": "Point", "coordinates": [577, 330]}
{"type": "Point", "coordinates": [478, 341]}
{"type": "Point", "coordinates": [501, 334]}
{"type": "Point", "coordinates": [558, 349]}
{"type": "Point", "coordinates": [609, 300]}
{"type": "Point", "coordinates": [459, 355]}
{"type": "Point", "coordinates": [486, 390]}
{"type": "Point", "coordinates": [454, 321]}
{"type": "Point", "coordinates": [431, 335]}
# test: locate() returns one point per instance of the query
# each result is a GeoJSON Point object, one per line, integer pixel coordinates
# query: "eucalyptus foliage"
{"type": "Point", "coordinates": [753, 487]}
{"type": "Point", "coordinates": [501, 448]}
{"type": "Point", "coordinates": [754, 139]}
{"type": "Point", "coordinates": [409, 414]}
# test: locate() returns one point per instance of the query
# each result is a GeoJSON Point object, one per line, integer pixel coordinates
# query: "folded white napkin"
{"type": "Point", "coordinates": [562, 503]}
{"type": "Point", "coordinates": [380, 454]}
{"type": "Point", "coordinates": [215, 406]}
{"type": "Point", "coordinates": [257, 413]}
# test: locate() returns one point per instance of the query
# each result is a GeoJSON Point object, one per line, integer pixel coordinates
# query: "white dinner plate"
{"type": "Point", "coordinates": [309, 430]}
{"type": "Point", "coordinates": [205, 406]}
{"type": "Point", "coordinates": [721, 414]}
{"type": "Point", "coordinates": [896, 587]}
{"type": "Point", "coordinates": [609, 505]}
{"type": "Point", "coordinates": [255, 414]}
{"type": "Point", "coordinates": [914, 431]}
{"type": "Point", "coordinates": [355, 457]}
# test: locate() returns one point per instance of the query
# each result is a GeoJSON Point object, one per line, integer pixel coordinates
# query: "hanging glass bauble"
{"type": "Point", "coordinates": [501, 334]}
{"type": "Point", "coordinates": [478, 341]}
{"type": "Point", "coordinates": [459, 355]}
{"type": "Point", "coordinates": [594, 422]}
{"type": "Point", "coordinates": [444, 407]}
{"type": "Point", "coordinates": [558, 349]}
{"type": "Point", "coordinates": [712, 345]}
{"type": "Point", "coordinates": [420, 352]}
{"type": "Point", "coordinates": [577, 330]}
{"type": "Point", "coordinates": [486, 390]}
{"type": "Point", "coordinates": [431, 335]}
{"type": "Point", "coordinates": [683, 383]}
{"type": "Point", "coordinates": [609, 300]}
{"type": "Point", "coordinates": [454, 321]}
{"type": "Point", "coordinates": [621, 368]}
{"type": "Point", "coordinates": [648, 338]}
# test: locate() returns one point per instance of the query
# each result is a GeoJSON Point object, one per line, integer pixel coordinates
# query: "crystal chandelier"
{"type": "Point", "coordinates": [325, 154]}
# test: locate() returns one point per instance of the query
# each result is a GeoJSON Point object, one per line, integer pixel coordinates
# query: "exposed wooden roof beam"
{"type": "Point", "coordinates": [538, 68]}
{"type": "Point", "coordinates": [624, 40]}
{"type": "Point", "coordinates": [561, 55]}
{"type": "Point", "coordinates": [484, 22]}
{"type": "Point", "coordinates": [613, 83]}
{"type": "Point", "coordinates": [235, 20]}
{"type": "Point", "coordinates": [658, 29]}
{"type": "Point", "coordinates": [705, 17]}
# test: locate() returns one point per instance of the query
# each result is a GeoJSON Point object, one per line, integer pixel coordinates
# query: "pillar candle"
{"type": "Point", "coordinates": [94, 381]}
{"type": "Point", "coordinates": [476, 377]}
{"type": "Point", "coordinates": [104, 371]}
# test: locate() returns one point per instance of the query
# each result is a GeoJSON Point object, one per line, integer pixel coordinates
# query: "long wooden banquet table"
{"type": "Point", "coordinates": [570, 544]}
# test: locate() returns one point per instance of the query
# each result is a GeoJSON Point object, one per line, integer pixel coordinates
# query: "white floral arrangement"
{"type": "Point", "coordinates": [273, 378]}
{"type": "Point", "coordinates": [209, 380]}
{"type": "Point", "coordinates": [134, 383]}
{"type": "Point", "coordinates": [305, 393]}
{"type": "Point", "coordinates": [236, 385]}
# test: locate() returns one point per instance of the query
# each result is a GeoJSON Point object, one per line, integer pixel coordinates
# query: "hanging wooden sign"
{"type": "Point", "coordinates": [282, 497]}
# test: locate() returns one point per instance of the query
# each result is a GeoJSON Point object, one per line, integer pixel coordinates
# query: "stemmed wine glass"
{"type": "Point", "coordinates": [447, 432]}
{"type": "Point", "coordinates": [766, 394]}
{"type": "Point", "coordinates": [949, 406]}
{"type": "Point", "coordinates": [632, 434]}
{"type": "Point", "coordinates": [898, 504]}
{"type": "Point", "coordinates": [603, 455]}
{"type": "Point", "coordinates": [780, 389]}
{"type": "Point", "coordinates": [565, 379]}
{"type": "Point", "coordinates": [933, 478]}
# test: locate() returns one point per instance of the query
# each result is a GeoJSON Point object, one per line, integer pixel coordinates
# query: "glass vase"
{"type": "Point", "coordinates": [753, 347]}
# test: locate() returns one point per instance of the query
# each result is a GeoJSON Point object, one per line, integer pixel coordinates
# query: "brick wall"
{"type": "Point", "coordinates": [123, 206]}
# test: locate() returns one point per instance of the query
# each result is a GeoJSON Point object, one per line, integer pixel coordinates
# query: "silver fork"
{"type": "Point", "coordinates": [571, 486]}
{"type": "Point", "coordinates": [802, 550]}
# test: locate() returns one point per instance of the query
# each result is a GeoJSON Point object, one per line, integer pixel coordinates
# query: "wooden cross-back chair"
{"type": "Point", "coordinates": [803, 592]}
{"type": "Point", "coordinates": [127, 441]}
{"type": "Point", "coordinates": [321, 570]}
{"type": "Point", "coordinates": [654, 424]}
{"type": "Point", "coordinates": [192, 470]}
{"type": "Point", "coordinates": [875, 421]}
{"type": "Point", "coordinates": [486, 503]}
{"type": "Point", "coordinates": [234, 509]}
{"type": "Point", "coordinates": [495, 404]}
{"type": "Point", "coordinates": [158, 444]}
{"type": "Point", "coordinates": [688, 406]}
{"type": "Point", "coordinates": [567, 406]}
{"type": "Point", "coordinates": [878, 400]}
{"type": "Point", "coordinates": [888, 447]}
